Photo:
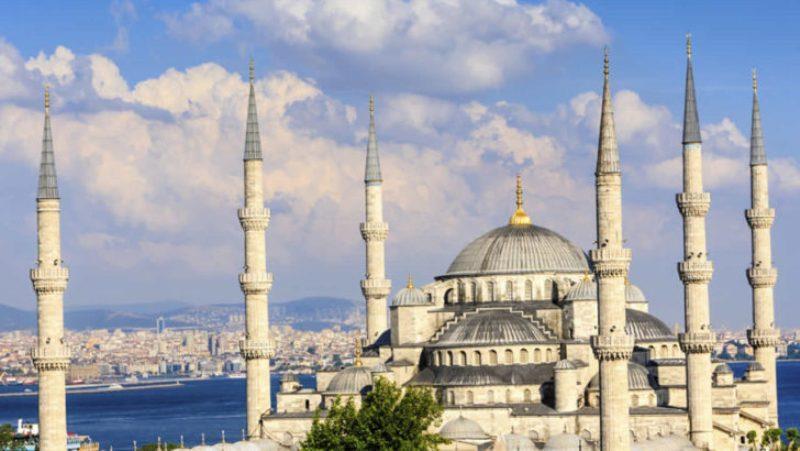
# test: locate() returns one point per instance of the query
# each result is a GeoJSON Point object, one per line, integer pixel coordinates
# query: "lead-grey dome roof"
{"type": "Point", "coordinates": [638, 378]}
{"type": "Point", "coordinates": [492, 327]}
{"type": "Point", "coordinates": [565, 442]}
{"type": "Point", "coordinates": [350, 381]}
{"type": "Point", "coordinates": [410, 296]}
{"type": "Point", "coordinates": [586, 290]}
{"type": "Point", "coordinates": [646, 327]}
{"type": "Point", "coordinates": [518, 249]}
{"type": "Point", "coordinates": [463, 429]}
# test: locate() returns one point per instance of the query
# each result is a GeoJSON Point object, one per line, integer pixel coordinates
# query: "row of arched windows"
{"type": "Point", "coordinates": [493, 357]}
{"type": "Point", "coordinates": [490, 291]}
{"type": "Point", "coordinates": [664, 351]}
{"type": "Point", "coordinates": [469, 397]}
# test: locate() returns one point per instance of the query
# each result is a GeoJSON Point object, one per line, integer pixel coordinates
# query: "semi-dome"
{"type": "Point", "coordinates": [586, 290]}
{"type": "Point", "coordinates": [518, 249]}
{"type": "Point", "coordinates": [352, 380]}
{"type": "Point", "coordinates": [638, 378]}
{"type": "Point", "coordinates": [463, 429]}
{"type": "Point", "coordinates": [646, 327]}
{"type": "Point", "coordinates": [564, 442]}
{"type": "Point", "coordinates": [410, 295]}
{"type": "Point", "coordinates": [492, 327]}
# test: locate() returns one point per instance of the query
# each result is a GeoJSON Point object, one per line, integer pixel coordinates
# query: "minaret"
{"type": "Point", "coordinates": [762, 276]}
{"type": "Point", "coordinates": [51, 354]}
{"type": "Point", "coordinates": [612, 346]}
{"type": "Point", "coordinates": [695, 272]}
{"type": "Point", "coordinates": [255, 280]}
{"type": "Point", "coordinates": [374, 231]}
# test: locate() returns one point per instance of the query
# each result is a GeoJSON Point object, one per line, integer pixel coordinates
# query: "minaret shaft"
{"type": "Point", "coordinates": [764, 336]}
{"type": "Point", "coordinates": [255, 281]}
{"type": "Point", "coordinates": [374, 231]}
{"type": "Point", "coordinates": [51, 354]}
{"type": "Point", "coordinates": [695, 272]}
{"type": "Point", "coordinates": [612, 346]}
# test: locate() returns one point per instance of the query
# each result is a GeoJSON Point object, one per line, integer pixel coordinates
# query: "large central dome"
{"type": "Point", "coordinates": [518, 249]}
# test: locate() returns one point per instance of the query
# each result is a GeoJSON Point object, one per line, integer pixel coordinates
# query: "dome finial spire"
{"type": "Point", "coordinates": [410, 282]}
{"type": "Point", "coordinates": [357, 352]}
{"type": "Point", "coordinates": [689, 45]}
{"type": "Point", "coordinates": [519, 217]}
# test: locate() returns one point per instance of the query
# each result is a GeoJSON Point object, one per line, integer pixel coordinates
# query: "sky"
{"type": "Point", "coordinates": [149, 107]}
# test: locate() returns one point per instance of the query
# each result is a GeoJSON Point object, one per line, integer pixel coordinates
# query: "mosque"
{"type": "Point", "coordinates": [529, 341]}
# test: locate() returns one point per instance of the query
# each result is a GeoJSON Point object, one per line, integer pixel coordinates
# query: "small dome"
{"type": "Point", "coordinates": [380, 367]}
{"type": "Point", "coordinates": [646, 327]}
{"type": "Point", "coordinates": [353, 380]}
{"type": "Point", "coordinates": [463, 429]}
{"type": "Point", "coordinates": [564, 442]}
{"type": "Point", "coordinates": [245, 445]}
{"type": "Point", "coordinates": [755, 366]}
{"type": "Point", "coordinates": [265, 444]}
{"type": "Point", "coordinates": [638, 378]}
{"type": "Point", "coordinates": [517, 442]}
{"type": "Point", "coordinates": [288, 377]}
{"type": "Point", "coordinates": [585, 290]}
{"type": "Point", "coordinates": [564, 365]}
{"type": "Point", "coordinates": [518, 249]}
{"type": "Point", "coordinates": [203, 448]}
{"type": "Point", "coordinates": [492, 327]}
{"type": "Point", "coordinates": [723, 368]}
{"type": "Point", "coordinates": [410, 295]}
{"type": "Point", "coordinates": [634, 294]}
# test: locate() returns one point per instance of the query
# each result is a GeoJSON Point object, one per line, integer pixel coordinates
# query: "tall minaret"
{"type": "Point", "coordinates": [695, 271]}
{"type": "Point", "coordinates": [612, 346]}
{"type": "Point", "coordinates": [51, 354]}
{"type": "Point", "coordinates": [762, 276]}
{"type": "Point", "coordinates": [255, 280]}
{"type": "Point", "coordinates": [374, 231]}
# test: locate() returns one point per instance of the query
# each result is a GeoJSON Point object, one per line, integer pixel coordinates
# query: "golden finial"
{"type": "Point", "coordinates": [627, 281]}
{"type": "Point", "coordinates": [252, 70]}
{"type": "Point", "coordinates": [689, 45]}
{"type": "Point", "coordinates": [357, 351]}
{"type": "Point", "coordinates": [587, 277]}
{"type": "Point", "coordinates": [755, 80]}
{"type": "Point", "coordinates": [410, 282]}
{"type": "Point", "coordinates": [519, 217]}
{"type": "Point", "coordinates": [605, 62]}
{"type": "Point", "coordinates": [371, 105]}
{"type": "Point", "coordinates": [47, 99]}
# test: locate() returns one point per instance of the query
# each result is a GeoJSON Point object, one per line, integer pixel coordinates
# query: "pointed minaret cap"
{"type": "Point", "coordinates": [252, 140]}
{"type": "Point", "coordinates": [758, 155]}
{"type": "Point", "coordinates": [691, 122]}
{"type": "Point", "coordinates": [357, 352]}
{"type": "Point", "coordinates": [48, 183]}
{"type": "Point", "coordinates": [372, 173]}
{"type": "Point", "coordinates": [607, 151]}
{"type": "Point", "coordinates": [519, 217]}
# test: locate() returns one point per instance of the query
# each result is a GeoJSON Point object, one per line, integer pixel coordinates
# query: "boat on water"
{"type": "Point", "coordinates": [237, 375]}
{"type": "Point", "coordinates": [26, 438]}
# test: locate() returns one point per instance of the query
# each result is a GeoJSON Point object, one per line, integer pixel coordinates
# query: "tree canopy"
{"type": "Point", "coordinates": [389, 419]}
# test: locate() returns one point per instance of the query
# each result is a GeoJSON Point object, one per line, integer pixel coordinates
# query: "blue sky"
{"type": "Point", "coordinates": [149, 118]}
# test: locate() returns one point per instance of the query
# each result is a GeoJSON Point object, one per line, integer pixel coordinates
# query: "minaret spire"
{"type": "Point", "coordinates": [375, 286]}
{"type": "Point", "coordinates": [695, 272]}
{"type": "Point", "coordinates": [51, 354]}
{"type": "Point", "coordinates": [252, 141]}
{"type": "Point", "coordinates": [612, 346]}
{"type": "Point", "coordinates": [764, 336]}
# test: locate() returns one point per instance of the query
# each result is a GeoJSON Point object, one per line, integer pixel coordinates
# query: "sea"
{"type": "Point", "coordinates": [210, 406]}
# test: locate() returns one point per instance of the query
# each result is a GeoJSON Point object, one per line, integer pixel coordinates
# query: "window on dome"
{"type": "Point", "coordinates": [523, 356]}
{"type": "Point", "coordinates": [477, 358]}
{"type": "Point", "coordinates": [462, 358]}
{"type": "Point", "coordinates": [510, 290]}
{"type": "Point", "coordinates": [493, 357]}
{"type": "Point", "coordinates": [528, 290]}
{"type": "Point", "coordinates": [509, 356]}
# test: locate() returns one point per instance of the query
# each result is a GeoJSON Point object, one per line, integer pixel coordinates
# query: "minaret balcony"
{"type": "Point", "coordinates": [760, 277]}
{"type": "Point", "coordinates": [255, 282]}
{"type": "Point", "coordinates": [49, 279]}
{"type": "Point", "coordinates": [695, 271]}
{"type": "Point", "coordinates": [254, 218]}
{"type": "Point", "coordinates": [612, 347]}
{"type": "Point", "coordinates": [693, 204]}
{"type": "Point", "coordinates": [256, 349]}
{"type": "Point", "coordinates": [610, 262]}
{"type": "Point", "coordinates": [701, 342]}
{"type": "Point", "coordinates": [51, 356]}
{"type": "Point", "coordinates": [374, 231]}
{"type": "Point", "coordinates": [760, 218]}
{"type": "Point", "coordinates": [763, 338]}
{"type": "Point", "coordinates": [376, 288]}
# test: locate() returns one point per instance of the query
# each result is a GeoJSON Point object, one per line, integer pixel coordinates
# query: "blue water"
{"type": "Point", "coordinates": [213, 405]}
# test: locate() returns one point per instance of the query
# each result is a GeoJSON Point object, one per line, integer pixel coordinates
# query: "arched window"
{"type": "Point", "coordinates": [664, 350]}
{"type": "Point", "coordinates": [529, 290]}
{"type": "Point", "coordinates": [451, 397]}
{"type": "Point", "coordinates": [461, 292]}
{"type": "Point", "coordinates": [523, 356]}
{"type": "Point", "coordinates": [470, 397]}
{"type": "Point", "coordinates": [509, 290]}
{"type": "Point", "coordinates": [675, 351]}
{"type": "Point", "coordinates": [449, 296]}
{"type": "Point", "coordinates": [449, 358]}
{"type": "Point", "coordinates": [549, 355]}
{"type": "Point", "coordinates": [537, 355]}
{"type": "Point", "coordinates": [652, 351]}
{"type": "Point", "coordinates": [491, 290]}
{"type": "Point", "coordinates": [509, 357]}
{"type": "Point", "coordinates": [490, 397]}
{"type": "Point", "coordinates": [308, 405]}
{"type": "Point", "coordinates": [527, 395]}
{"type": "Point", "coordinates": [554, 292]}
{"type": "Point", "coordinates": [462, 358]}
{"type": "Point", "coordinates": [473, 292]}
{"type": "Point", "coordinates": [476, 358]}
{"type": "Point", "coordinates": [430, 298]}
{"type": "Point", "coordinates": [436, 359]}
{"type": "Point", "coordinates": [493, 357]}
{"type": "Point", "coordinates": [508, 396]}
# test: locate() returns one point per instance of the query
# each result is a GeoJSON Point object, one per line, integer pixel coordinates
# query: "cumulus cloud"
{"type": "Point", "coordinates": [449, 46]}
{"type": "Point", "coordinates": [57, 67]}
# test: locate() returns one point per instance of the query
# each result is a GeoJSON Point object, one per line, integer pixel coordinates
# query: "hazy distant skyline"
{"type": "Point", "coordinates": [149, 116]}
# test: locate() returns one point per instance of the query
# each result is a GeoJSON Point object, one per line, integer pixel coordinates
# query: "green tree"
{"type": "Point", "coordinates": [751, 439]}
{"type": "Point", "coordinates": [389, 419]}
{"type": "Point", "coordinates": [165, 446]}
{"type": "Point", "coordinates": [793, 439]}
{"type": "Point", "coordinates": [8, 438]}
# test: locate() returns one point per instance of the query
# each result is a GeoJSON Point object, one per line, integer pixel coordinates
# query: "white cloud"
{"type": "Point", "coordinates": [451, 46]}
{"type": "Point", "coordinates": [57, 67]}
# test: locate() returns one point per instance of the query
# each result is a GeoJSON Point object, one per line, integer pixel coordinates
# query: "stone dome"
{"type": "Point", "coordinates": [518, 249]}
{"type": "Point", "coordinates": [516, 442]}
{"type": "Point", "coordinates": [564, 442]}
{"type": "Point", "coordinates": [288, 377]}
{"type": "Point", "coordinates": [638, 378]}
{"type": "Point", "coordinates": [463, 429]}
{"type": "Point", "coordinates": [244, 445]}
{"type": "Point", "coordinates": [634, 294]}
{"type": "Point", "coordinates": [492, 327]}
{"type": "Point", "coordinates": [564, 365]}
{"type": "Point", "coordinates": [353, 380]}
{"type": "Point", "coordinates": [723, 368]}
{"type": "Point", "coordinates": [410, 295]}
{"type": "Point", "coordinates": [586, 290]}
{"type": "Point", "coordinates": [265, 444]}
{"type": "Point", "coordinates": [646, 327]}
